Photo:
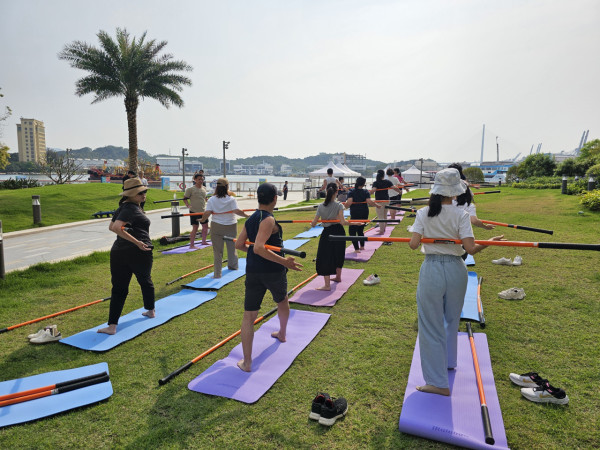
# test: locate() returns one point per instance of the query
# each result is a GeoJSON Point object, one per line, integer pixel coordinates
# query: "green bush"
{"type": "Point", "coordinates": [594, 171]}
{"type": "Point", "coordinates": [576, 187]}
{"type": "Point", "coordinates": [539, 183]}
{"type": "Point", "coordinates": [19, 184]}
{"type": "Point", "coordinates": [591, 200]}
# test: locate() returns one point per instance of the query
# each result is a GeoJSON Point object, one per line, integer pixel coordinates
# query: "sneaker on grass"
{"type": "Point", "coordinates": [40, 332]}
{"type": "Point", "coordinates": [317, 404]}
{"type": "Point", "coordinates": [529, 379]}
{"type": "Point", "coordinates": [502, 261]}
{"type": "Point", "coordinates": [332, 410]}
{"type": "Point", "coordinates": [545, 393]}
{"type": "Point", "coordinates": [517, 261]}
{"type": "Point", "coordinates": [371, 280]}
{"type": "Point", "coordinates": [50, 335]}
{"type": "Point", "coordinates": [512, 294]}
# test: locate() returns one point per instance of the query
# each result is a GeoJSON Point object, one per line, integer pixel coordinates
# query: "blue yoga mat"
{"type": "Point", "coordinates": [54, 404]}
{"type": "Point", "coordinates": [455, 419]}
{"type": "Point", "coordinates": [270, 359]}
{"type": "Point", "coordinates": [469, 310]}
{"type": "Point", "coordinates": [294, 244]}
{"type": "Point", "coordinates": [470, 261]}
{"type": "Point", "coordinates": [227, 276]}
{"type": "Point", "coordinates": [313, 232]}
{"type": "Point", "coordinates": [134, 324]}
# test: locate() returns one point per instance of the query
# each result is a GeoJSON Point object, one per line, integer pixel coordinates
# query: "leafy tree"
{"type": "Point", "coordinates": [512, 174]}
{"type": "Point", "coordinates": [128, 68]}
{"type": "Point", "coordinates": [538, 165]}
{"type": "Point", "coordinates": [4, 115]}
{"type": "Point", "coordinates": [4, 158]}
{"type": "Point", "coordinates": [590, 149]}
{"type": "Point", "coordinates": [474, 174]}
{"type": "Point", "coordinates": [61, 168]}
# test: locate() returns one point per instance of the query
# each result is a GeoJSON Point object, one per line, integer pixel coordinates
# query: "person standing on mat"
{"type": "Point", "coordinates": [442, 278]}
{"type": "Point", "coordinates": [195, 199]}
{"type": "Point", "coordinates": [223, 207]}
{"type": "Point", "coordinates": [130, 254]}
{"type": "Point", "coordinates": [359, 200]}
{"type": "Point", "coordinates": [381, 188]}
{"type": "Point", "coordinates": [265, 270]}
{"type": "Point", "coordinates": [330, 254]}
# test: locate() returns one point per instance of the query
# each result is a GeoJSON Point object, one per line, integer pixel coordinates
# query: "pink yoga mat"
{"type": "Point", "coordinates": [370, 246]}
{"type": "Point", "coordinates": [309, 295]}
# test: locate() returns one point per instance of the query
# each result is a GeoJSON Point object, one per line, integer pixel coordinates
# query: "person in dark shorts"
{"type": "Point", "coordinates": [359, 200]}
{"type": "Point", "coordinates": [265, 269]}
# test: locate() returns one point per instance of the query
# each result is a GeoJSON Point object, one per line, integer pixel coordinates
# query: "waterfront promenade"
{"type": "Point", "coordinates": [71, 240]}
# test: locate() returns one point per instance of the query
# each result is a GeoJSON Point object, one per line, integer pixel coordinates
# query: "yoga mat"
{"type": "Point", "coordinates": [54, 404]}
{"type": "Point", "coordinates": [134, 324]}
{"type": "Point", "coordinates": [370, 246]}
{"type": "Point", "coordinates": [313, 232]}
{"type": "Point", "coordinates": [270, 359]}
{"type": "Point", "coordinates": [227, 276]}
{"type": "Point", "coordinates": [294, 244]}
{"type": "Point", "coordinates": [469, 310]}
{"type": "Point", "coordinates": [455, 419]}
{"type": "Point", "coordinates": [309, 295]}
{"type": "Point", "coordinates": [185, 249]}
{"type": "Point", "coordinates": [470, 261]}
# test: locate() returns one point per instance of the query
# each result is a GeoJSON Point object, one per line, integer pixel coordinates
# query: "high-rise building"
{"type": "Point", "coordinates": [32, 140]}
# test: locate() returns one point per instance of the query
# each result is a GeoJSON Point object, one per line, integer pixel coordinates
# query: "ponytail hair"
{"type": "Point", "coordinates": [380, 175]}
{"type": "Point", "coordinates": [360, 182]}
{"type": "Point", "coordinates": [331, 193]}
{"type": "Point", "coordinates": [435, 205]}
{"type": "Point", "coordinates": [467, 198]}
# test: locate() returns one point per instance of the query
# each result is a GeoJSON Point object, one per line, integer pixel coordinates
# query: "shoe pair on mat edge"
{"type": "Point", "coordinates": [538, 390]}
{"type": "Point", "coordinates": [327, 409]}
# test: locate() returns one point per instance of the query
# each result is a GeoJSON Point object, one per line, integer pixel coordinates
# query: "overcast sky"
{"type": "Point", "coordinates": [391, 80]}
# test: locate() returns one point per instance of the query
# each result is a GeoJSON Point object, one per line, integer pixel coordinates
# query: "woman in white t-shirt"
{"type": "Point", "coordinates": [223, 207]}
{"type": "Point", "coordinates": [442, 278]}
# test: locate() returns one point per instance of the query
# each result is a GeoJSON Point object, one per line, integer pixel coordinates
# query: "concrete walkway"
{"type": "Point", "coordinates": [71, 240]}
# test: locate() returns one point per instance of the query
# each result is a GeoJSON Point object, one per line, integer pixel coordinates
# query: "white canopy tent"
{"type": "Point", "coordinates": [339, 170]}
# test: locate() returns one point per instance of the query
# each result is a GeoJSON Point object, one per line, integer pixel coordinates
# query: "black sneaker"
{"type": "Point", "coordinates": [333, 409]}
{"type": "Point", "coordinates": [317, 403]}
{"type": "Point", "coordinates": [387, 243]}
{"type": "Point", "coordinates": [529, 379]}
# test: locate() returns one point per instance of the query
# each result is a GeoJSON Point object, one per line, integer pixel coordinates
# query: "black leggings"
{"type": "Point", "coordinates": [358, 230]}
{"type": "Point", "coordinates": [124, 264]}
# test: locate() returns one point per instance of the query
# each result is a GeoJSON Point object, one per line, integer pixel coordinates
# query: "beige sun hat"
{"type": "Point", "coordinates": [132, 187]}
{"type": "Point", "coordinates": [448, 183]}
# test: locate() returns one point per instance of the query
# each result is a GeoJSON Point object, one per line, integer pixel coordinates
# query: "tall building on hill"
{"type": "Point", "coordinates": [32, 140]}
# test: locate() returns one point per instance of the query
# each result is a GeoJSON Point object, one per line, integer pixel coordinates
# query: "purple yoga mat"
{"type": "Point", "coordinates": [186, 249]}
{"type": "Point", "coordinates": [270, 359]}
{"type": "Point", "coordinates": [370, 246]}
{"type": "Point", "coordinates": [309, 295]}
{"type": "Point", "coordinates": [455, 419]}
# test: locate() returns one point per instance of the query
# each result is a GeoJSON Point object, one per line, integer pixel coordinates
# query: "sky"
{"type": "Point", "coordinates": [390, 80]}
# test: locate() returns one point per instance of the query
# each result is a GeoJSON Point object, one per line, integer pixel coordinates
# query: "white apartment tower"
{"type": "Point", "coordinates": [32, 141]}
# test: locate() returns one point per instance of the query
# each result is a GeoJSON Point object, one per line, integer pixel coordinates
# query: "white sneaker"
{"type": "Point", "coordinates": [40, 332]}
{"type": "Point", "coordinates": [502, 261]}
{"type": "Point", "coordinates": [371, 280]}
{"type": "Point", "coordinates": [545, 393]}
{"type": "Point", "coordinates": [517, 261]}
{"type": "Point", "coordinates": [512, 294]}
{"type": "Point", "coordinates": [47, 336]}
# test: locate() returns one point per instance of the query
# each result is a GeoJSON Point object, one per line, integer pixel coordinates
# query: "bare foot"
{"type": "Point", "coordinates": [150, 314]}
{"type": "Point", "coordinates": [111, 329]}
{"type": "Point", "coordinates": [193, 247]}
{"type": "Point", "coordinates": [324, 288]}
{"type": "Point", "coordinates": [204, 243]}
{"type": "Point", "coordinates": [275, 334]}
{"type": "Point", "coordinates": [337, 280]}
{"type": "Point", "coordinates": [434, 390]}
{"type": "Point", "coordinates": [242, 366]}
{"type": "Point", "coordinates": [357, 250]}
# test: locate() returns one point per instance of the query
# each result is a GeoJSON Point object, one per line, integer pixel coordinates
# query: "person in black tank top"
{"type": "Point", "coordinates": [265, 270]}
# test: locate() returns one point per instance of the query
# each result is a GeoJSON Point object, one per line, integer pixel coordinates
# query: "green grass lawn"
{"type": "Point", "coordinates": [363, 353]}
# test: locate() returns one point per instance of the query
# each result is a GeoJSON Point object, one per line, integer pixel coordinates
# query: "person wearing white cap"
{"type": "Point", "coordinates": [442, 278]}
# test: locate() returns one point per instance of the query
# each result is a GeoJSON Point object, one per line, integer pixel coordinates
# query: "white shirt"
{"type": "Point", "coordinates": [220, 205]}
{"type": "Point", "coordinates": [450, 223]}
{"type": "Point", "coordinates": [468, 208]}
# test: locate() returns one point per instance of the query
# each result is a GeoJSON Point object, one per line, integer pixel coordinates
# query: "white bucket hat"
{"type": "Point", "coordinates": [448, 184]}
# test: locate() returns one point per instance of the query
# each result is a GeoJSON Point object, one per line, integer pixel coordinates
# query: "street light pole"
{"type": "Point", "coordinates": [421, 172]}
{"type": "Point", "coordinates": [225, 147]}
{"type": "Point", "coordinates": [184, 153]}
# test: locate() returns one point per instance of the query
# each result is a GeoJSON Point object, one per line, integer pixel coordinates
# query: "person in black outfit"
{"type": "Point", "coordinates": [381, 188]}
{"type": "Point", "coordinates": [359, 200]}
{"type": "Point", "coordinates": [130, 254]}
{"type": "Point", "coordinates": [265, 269]}
{"type": "Point", "coordinates": [285, 190]}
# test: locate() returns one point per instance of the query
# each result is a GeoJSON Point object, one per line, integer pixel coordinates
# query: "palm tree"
{"type": "Point", "coordinates": [130, 68]}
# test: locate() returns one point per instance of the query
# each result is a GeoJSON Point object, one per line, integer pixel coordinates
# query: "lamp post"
{"type": "Point", "coordinates": [37, 209]}
{"type": "Point", "coordinates": [1, 254]}
{"type": "Point", "coordinates": [421, 172]}
{"type": "Point", "coordinates": [225, 147]}
{"type": "Point", "coordinates": [184, 153]}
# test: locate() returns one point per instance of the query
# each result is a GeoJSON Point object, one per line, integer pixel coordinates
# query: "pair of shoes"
{"type": "Point", "coordinates": [40, 332]}
{"type": "Point", "coordinates": [50, 334]}
{"type": "Point", "coordinates": [328, 409]}
{"type": "Point", "coordinates": [371, 280]}
{"type": "Point", "coordinates": [386, 243]}
{"type": "Point", "coordinates": [545, 393]}
{"type": "Point", "coordinates": [508, 262]}
{"type": "Point", "coordinates": [512, 294]}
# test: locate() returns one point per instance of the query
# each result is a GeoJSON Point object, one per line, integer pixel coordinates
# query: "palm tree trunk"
{"type": "Point", "coordinates": [131, 104]}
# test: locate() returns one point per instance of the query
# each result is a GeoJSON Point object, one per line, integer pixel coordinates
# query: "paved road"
{"type": "Point", "coordinates": [67, 241]}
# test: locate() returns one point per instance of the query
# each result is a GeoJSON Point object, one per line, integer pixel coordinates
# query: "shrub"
{"type": "Point", "coordinates": [22, 183]}
{"type": "Point", "coordinates": [591, 200]}
{"type": "Point", "coordinates": [594, 171]}
{"type": "Point", "coordinates": [577, 187]}
{"type": "Point", "coordinates": [539, 183]}
{"type": "Point", "coordinates": [474, 174]}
